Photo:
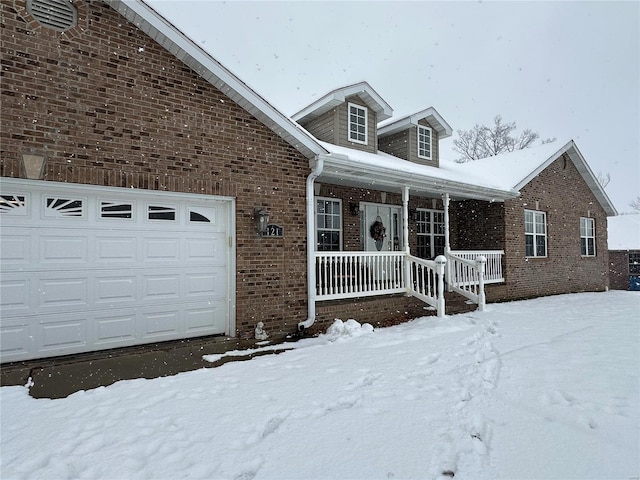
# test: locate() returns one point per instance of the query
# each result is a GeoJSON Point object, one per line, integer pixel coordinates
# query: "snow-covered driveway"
{"type": "Point", "coordinates": [539, 389]}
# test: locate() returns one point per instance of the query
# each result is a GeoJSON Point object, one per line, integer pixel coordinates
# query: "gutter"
{"type": "Point", "coordinates": [311, 261]}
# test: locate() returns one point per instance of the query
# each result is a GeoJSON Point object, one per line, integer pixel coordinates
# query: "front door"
{"type": "Point", "coordinates": [382, 228]}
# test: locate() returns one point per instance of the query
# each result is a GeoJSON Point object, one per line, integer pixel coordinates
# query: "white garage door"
{"type": "Point", "coordinates": [89, 268]}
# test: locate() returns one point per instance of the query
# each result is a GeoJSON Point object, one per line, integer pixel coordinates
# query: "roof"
{"type": "Point", "coordinates": [350, 167]}
{"type": "Point", "coordinates": [191, 54]}
{"type": "Point", "coordinates": [338, 96]}
{"type": "Point", "coordinates": [516, 169]}
{"type": "Point", "coordinates": [624, 232]}
{"type": "Point", "coordinates": [430, 114]}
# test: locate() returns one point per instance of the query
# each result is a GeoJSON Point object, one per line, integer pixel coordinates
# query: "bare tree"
{"type": "Point", "coordinates": [603, 179]}
{"type": "Point", "coordinates": [635, 204]}
{"type": "Point", "coordinates": [482, 141]}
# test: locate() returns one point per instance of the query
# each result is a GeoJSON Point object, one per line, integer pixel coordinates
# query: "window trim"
{"type": "Point", "coordinates": [420, 129]}
{"type": "Point", "coordinates": [536, 234]}
{"type": "Point", "coordinates": [365, 111]}
{"type": "Point", "coordinates": [317, 229]}
{"type": "Point", "coordinates": [588, 220]}
{"type": "Point", "coordinates": [432, 234]}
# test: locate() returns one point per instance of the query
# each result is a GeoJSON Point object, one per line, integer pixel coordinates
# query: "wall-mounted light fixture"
{"type": "Point", "coordinates": [354, 208]}
{"type": "Point", "coordinates": [413, 214]}
{"type": "Point", "coordinates": [383, 197]}
{"type": "Point", "coordinates": [262, 219]}
{"type": "Point", "coordinates": [33, 165]}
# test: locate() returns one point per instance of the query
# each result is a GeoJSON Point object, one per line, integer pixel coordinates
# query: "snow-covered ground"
{"type": "Point", "coordinates": [539, 389]}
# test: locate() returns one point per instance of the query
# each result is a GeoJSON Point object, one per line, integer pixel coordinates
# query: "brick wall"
{"type": "Point", "coordinates": [619, 269]}
{"type": "Point", "coordinates": [561, 192]}
{"type": "Point", "coordinates": [108, 106]}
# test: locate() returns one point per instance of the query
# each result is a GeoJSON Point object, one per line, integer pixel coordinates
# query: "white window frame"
{"type": "Point", "coordinates": [431, 226]}
{"type": "Point", "coordinates": [422, 143]}
{"type": "Point", "coordinates": [536, 232]}
{"type": "Point", "coordinates": [332, 229]}
{"type": "Point", "coordinates": [363, 114]}
{"type": "Point", "coordinates": [587, 232]}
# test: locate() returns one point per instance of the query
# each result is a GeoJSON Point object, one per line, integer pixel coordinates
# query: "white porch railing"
{"type": "Point", "coordinates": [341, 275]}
{"type": "Point", "coordinates": [493, 267]}
{"type": "Point", "coordinates": [358, 274]}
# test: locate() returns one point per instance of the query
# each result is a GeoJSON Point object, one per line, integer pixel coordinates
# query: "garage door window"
{"type": "Point", "coordinates": [158, 212]}
{"type": "Point", "coordinates": [13, 204]}
{"type": "Point", "coordinates": [116, 210]}
{"type": "Point", "coordinates": [56, 207]}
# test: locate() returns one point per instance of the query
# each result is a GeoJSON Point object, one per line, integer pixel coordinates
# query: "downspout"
{"type": "Point", "coordinates": [311, 242]}
{"type": "Point", "coordinates": [405, 239]}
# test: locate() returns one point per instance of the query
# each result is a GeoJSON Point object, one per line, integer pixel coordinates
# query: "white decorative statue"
{"type": "Point", "coordinates": [260, 333]}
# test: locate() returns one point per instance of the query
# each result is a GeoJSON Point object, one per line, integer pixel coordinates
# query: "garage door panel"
{"type": "Point", "coordinates": [64, 248]}
{"type": "Point", "coordinates": [161, 250]}
{"type": "Point", "coordinates": [210, 283]}
{"type": "Point", "coordinates": [62, 291]}
{"type": "Point", "coordinates": [15, 340]}
{"type": "Point", "coordinates": [113, 289]}
{"type": "Point", "coordinates": [207, 249]}
{"type": "Point", "coordinates": [15, 293]}
{"type": "Point", "coordinates": [161, 324]}
{"type": "Point", "coordinates": [62, 333]}
{"type": "Point", "coordinates": [86, 268]}
{"type": "Point", "coordinates": [203, 319]}
{"type": "Point", "coordinates": [115, 330]}
{"type": "Point", "coordinates": [111, 250]}
{"type": "Point", "coordinates": [15, 249]}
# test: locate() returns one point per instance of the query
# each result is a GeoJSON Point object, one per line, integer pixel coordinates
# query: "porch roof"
{"type": "Point", "coordinates": [381, 171]}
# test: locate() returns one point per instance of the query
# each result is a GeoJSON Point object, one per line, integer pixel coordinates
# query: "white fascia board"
{"type": "Point", "coordinates": [338, 96]}
{"type": "Point", "coordinates": [583, 168]}
{"type": "Point", "coordinates": [340, 166]}
{"type": "Point", "coordinates": [431, 114]}
{"type": "Point", "coordinates": [181, 46]}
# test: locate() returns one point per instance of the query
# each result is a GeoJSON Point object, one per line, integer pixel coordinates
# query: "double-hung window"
{"type": "Point", "coordinates": [634, 263]}
{"type": "Point", "coordinates": [424, 142]}
{"type": "Point", "coordinates": [535, 233]}
{"type": "Point", "coordinates": [430, 229]}
{"type": "Point", "coordinates": [587, 237]}
{"type": "Point", "coordinates": [357, 123]}
{"type": "Point", "coordinates": [328, 224]}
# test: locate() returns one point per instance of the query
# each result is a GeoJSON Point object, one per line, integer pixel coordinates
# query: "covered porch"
{"type": "Point", "coordinates": [393, 266]}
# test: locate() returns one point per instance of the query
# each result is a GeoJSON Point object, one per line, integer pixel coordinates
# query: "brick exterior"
{"type": "Point", "coordinates": [619, 268]}
{"type": "Point", "coordinates": [562, 193]}
{"type": "Point", "coordinates": [106, 105]}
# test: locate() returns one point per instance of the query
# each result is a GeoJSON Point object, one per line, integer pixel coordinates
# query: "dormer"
{"type": "Point", "coordinates": [347, 117]}
{"type": "Point", "coordinates": [415, 137]}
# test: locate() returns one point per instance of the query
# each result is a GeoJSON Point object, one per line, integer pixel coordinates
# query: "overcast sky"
{"type": "Point", "coordinates": [569, 70]}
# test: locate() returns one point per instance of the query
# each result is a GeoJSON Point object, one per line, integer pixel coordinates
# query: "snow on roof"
{"type": "Point", "coordinates": [624, 232]}
{"type": "Point", "coordinates": [508, 170]}
{"type": "Point", "coordinates": [448, 173]}
{"type": "Point", "coordinates": [516, 169]}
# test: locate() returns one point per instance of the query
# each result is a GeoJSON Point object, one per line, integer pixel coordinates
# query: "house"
{"type": "Point", "coordinates": [147, 194]}
{"type": "Point", "coordinates": [624, 252]}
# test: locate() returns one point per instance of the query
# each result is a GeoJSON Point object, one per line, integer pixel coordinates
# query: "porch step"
{"type": "Point", "coordinates": [456, 303]}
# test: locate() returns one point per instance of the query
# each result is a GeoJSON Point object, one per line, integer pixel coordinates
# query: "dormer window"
{"type": "Point", "coordinates": [357, 123]}
{"type": "Point", "coordinates": [424, 142]}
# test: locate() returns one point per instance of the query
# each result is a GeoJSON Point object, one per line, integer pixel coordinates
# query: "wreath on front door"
{"type": "Point", "coordinates": [377, 230]}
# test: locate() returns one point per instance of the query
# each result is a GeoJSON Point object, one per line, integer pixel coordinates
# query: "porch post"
{"type": "Point", "coordinates": [447, 243]}
{"type": "Point", "coordinates": [405, 219]}
{"type": "Point", "coordinates": [405, 239]}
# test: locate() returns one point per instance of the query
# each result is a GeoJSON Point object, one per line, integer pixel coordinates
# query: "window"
{"type": "Point", "coordinates": [430, 228]}
{"type": "Point", "coordinates": [328, 224]}
{"type": "Point", "coordinates": [424, 142]}
{"type": "Point", "coordinates": [161, 212]}
{"type": "Point", "coordinates": [63, 207]}
{"type": "Point", "coordinates": [357, 123]}
{"type": "Point", "coordinates": [116, 210]}
{"type": "Point", "coordinates": [634, 263]}
{"type": "Point", "coordinates": [535, 233]}
{"type": "Point", "coordinates": [587, 237]}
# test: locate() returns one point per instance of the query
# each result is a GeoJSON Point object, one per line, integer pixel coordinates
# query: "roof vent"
{"type": "Point", "coordinates": [60, 15]}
